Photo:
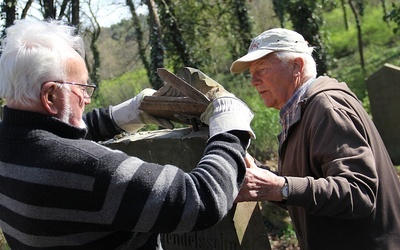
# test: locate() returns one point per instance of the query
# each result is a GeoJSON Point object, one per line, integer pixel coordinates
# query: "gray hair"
{"type": "Point", "coordinates": [33, 52]}
{"type": "Point", "coordinates": [310, 66]}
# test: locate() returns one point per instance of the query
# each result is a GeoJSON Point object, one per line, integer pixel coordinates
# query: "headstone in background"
{"type": "Point", "coordinates": [384, 96]}
{"type": "Point", "coordinates": [242, 229]}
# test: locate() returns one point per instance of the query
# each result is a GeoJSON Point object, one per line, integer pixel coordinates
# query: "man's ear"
{"type": "Point", "coordinates": [48, 94]}
{"type": "Point", "coordinates": [298, 66]}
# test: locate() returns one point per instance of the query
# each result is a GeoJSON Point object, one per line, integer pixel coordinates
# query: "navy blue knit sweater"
{"type": "Point", "coordinates": [60, 191]}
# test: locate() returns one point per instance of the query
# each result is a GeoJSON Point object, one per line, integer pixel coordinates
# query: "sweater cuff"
{"type": "Point", "coordinates": [300, 191]}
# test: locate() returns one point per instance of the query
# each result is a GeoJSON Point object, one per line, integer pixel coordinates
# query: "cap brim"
{"type": "Point", "coordinates": [243, 63]}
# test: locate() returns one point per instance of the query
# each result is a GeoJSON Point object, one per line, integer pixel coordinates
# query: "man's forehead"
{"type": "Point", "coordinates": [260, 62]}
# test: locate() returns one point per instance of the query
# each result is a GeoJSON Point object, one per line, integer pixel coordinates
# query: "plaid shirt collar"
{"type": "Point", "coordinates": [291, 113]}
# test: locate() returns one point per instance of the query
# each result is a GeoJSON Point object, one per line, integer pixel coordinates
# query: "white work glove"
{"type": "Point", "coordinates": [227, 113]}
{"type": "Point", "coordinates": [130, 118]}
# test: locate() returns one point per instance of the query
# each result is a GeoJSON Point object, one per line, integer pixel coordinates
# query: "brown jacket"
{"type": "Point", "coordinates": [344, 191]}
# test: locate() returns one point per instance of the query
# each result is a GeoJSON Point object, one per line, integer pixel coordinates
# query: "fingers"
{"type": "Point", "coordinates": [145, 92]}
{"type": "Point", "coordinates": [251, 162]}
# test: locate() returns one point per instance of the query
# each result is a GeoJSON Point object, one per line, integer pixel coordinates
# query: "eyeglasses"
{"type": "Point", "coordinates": [86, 88]}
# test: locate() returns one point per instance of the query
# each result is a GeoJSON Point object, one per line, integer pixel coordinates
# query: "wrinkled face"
{"type": "Point", "coordinates": [273, 80]}
{"type": "Point", "coordinates": [74, 96]}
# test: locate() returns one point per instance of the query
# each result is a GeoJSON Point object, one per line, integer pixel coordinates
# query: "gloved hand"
{"type": "Point", "coordinates": [202, 82]}
{"type": "Point", "coordinates": [227, 113]}
{"type": "Point", "coordinates": [128, 116]}
{"type": "Point", "coordinates": [218, 91]}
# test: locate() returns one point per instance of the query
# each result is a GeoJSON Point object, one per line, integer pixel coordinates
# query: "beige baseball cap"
{"type": "Point", "coordinates": [277, 39]}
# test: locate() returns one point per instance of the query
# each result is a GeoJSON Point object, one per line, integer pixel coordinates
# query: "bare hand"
{"type": "Point", "coordinates": [260, 184]}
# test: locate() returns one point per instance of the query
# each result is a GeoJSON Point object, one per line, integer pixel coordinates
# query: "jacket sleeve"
{"type": "Point", "coordinates": [146, 197]}
{"type": "Point", "coordinates": [344, 182]}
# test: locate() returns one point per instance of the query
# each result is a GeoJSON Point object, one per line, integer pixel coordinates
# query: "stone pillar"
{"type": "Point", "coordinates": [243, 227]}
{"type": "Point", "coordinates": [384, 96]}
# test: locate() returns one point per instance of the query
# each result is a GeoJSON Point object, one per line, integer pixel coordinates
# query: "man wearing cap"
{"type": "Point", "coordinates": [335, 176]}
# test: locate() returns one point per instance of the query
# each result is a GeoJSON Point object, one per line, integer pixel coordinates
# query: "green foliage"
{"type": "Point", "coordinates": [344, 42]}
{"type": "Point", "coordinates": [301, 12]}
{"type": "Point", "coordinates": [394, 15]}
{"type": "Point", "coordinates": [377, 35]}
{"type": "Point", "coordinates": [265, 123]}
{"type": "Point", "coordinates": [343, 48]}
{"type": "Point", "coordinates": [117, 90]}
{"type": "Point", "coordinates": [191, 32]}
{"type": "Point", "coordinates": [181, 23]}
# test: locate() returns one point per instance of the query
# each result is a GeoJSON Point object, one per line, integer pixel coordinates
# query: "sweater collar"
{"type": "Point", "coordinates": [33, 120]}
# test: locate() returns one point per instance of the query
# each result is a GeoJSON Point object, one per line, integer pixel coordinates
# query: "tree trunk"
{"type": "Point", "coordinates": [49, 10]}
{"type": "Point", "coordinates": [75, 13]}
{"type": "Point", "coordinates": [95, 34]}
{"type": "Point", "coordinates": [139, 37]}
{"type": "Point", "coordinates": [306, 22]}
{"type": "Point", "coordinates": [9, 8]}
{"type": "Point", "coordinates": [244, 26]}
{"type": "Point", "coordinates": [26, 8]}
{"type": "Point", "coordinates": [156, 48]}
{"type": "Point", "coordinates": [346, 24]}
{"type": "Point", "coordinates": [359, 35]}
{"type": "Point", "coordinates": [173, 35]}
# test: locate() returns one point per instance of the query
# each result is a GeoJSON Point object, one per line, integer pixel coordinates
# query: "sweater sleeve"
{"type": "Point", "coordinates": [100, 125]}
{"type": "Point", "coordinates": [146, 197]}
{"type": "Point", "coordinates": [344, 182]}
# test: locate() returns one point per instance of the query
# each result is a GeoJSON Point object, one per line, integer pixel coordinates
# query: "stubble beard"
{"type": "Point", "coordinates": [67, 114]}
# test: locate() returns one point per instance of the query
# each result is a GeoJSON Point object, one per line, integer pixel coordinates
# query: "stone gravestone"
{"type": "Point", "coordinates": [384, 95]}
{"type": "Point", "coordinates": [243, 228]}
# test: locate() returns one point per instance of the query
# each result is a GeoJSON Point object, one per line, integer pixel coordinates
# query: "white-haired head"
{"type": "Point", "coordinates": [33, 52]}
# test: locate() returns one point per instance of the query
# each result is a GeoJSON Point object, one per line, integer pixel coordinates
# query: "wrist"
{"type": "Point", "coordinates": [229, 113]}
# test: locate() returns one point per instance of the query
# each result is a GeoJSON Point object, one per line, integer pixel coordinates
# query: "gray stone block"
{"type": "Point", "coordinates": [243, 227]}
{"type": "Point", "coordinates": [384, 94]}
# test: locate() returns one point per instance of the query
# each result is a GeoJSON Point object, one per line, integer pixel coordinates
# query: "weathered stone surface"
{"type": "Point", "coordinates": [180, 147]}
{"type": "Point", "coordinates": [384, 94]}
{"type": "Point", "coordinates": [243, 228]}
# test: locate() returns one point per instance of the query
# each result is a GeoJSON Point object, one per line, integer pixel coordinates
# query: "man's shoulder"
{"type": "Point", "coordinates": [324, 88]}
{"type": "Point", "coordinates": [77, 146]}
{"type": "Point", "coordinates": [324, 83]}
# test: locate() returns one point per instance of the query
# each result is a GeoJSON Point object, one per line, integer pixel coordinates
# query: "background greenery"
{"type": "Point", "coordinates": [381, 45]}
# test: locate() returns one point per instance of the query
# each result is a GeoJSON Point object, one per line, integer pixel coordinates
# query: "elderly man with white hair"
{"type": "Point", "coordinates": [335, 176]}
{"type": "Point", "coordinates": [59, 190]}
